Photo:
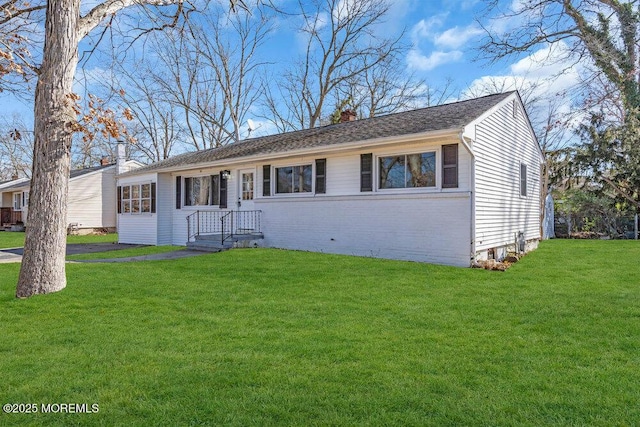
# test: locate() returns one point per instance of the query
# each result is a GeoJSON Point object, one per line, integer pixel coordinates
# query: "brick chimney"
{"type": "Point", "coordinates": [347, 116]}
{"type": "Point", "coordinates": [104, 161]}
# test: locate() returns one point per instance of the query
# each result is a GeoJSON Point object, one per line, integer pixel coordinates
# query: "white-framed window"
{"type": "Point", "coordinates": [523, 180]}
{"type": "Point", "coordinates": [137, 198]}
{"type": "Point", "coordinates": [407, 170]}
{"type": "Point", "coordinates": [202, 190]}
{"type": "Point", "coordinates": [294, 179]}
{"type": "Point", "coordinates": [17, 201]}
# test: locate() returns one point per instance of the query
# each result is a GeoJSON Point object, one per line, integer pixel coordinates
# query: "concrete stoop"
{"type": "Point", "coordinates": [213, 242]}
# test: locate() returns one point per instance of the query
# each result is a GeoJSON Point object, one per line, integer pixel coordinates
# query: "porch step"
{"type": "Point", "coordinates": [213, 242]}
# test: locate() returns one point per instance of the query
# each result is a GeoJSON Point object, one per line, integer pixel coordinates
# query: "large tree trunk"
{"type": "Point", "coordinates": [43, 264]}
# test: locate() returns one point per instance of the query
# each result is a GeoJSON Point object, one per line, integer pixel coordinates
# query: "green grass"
{"type": "Point", "coordinates": [268, 337]}
{"type": "Point", "coordinates": [16, 239]}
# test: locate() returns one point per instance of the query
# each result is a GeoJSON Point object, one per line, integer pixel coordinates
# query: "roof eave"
{"type": "Point", "coordinates": [325, 149]}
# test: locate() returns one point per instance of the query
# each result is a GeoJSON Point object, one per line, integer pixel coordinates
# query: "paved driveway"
{"type": "Point", "coordinates": [15, 255]}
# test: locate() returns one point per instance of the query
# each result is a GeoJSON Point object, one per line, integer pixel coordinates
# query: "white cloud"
{"type": "Point", "coordinates": [419, 61]}
{"type": "Point", "coordinates": [468, 4]}
{"type": "Point", "coordinates": [426, 29]}
{"type": "Point", "coordinates": [543, 79]}
{"type": "Point", "coordinates": [455, 37]}
{"type": "Point", "coordinates": [550, 66]}
{"type": "Point", "coordinates": [545, 71]}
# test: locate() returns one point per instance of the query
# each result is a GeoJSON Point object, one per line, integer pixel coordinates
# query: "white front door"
{"type": "Point", "coordinates": [246, 182]}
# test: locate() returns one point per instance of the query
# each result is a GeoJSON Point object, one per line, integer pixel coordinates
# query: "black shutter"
{"type": "Point", "coordinates": [119, 191]}
{"type": "Point", "coordinates": [321, 176]}
{"type": "Point", "coordinates": [215, 190]}
{"type": "Point", "coordinates": [178, 192]}
{"type": "Point", "coordinates": [223, 192]}
{"type": "Point", "coordinates": [450, 166]}
{"type": "Point", "coordinates": [153, 197]}
{"type": "Point", "coordinates": [366, 172]}
{"type": "Point", "coordinates": [266, 180]}
{"type": "Point", "coordinates": [212, 190]}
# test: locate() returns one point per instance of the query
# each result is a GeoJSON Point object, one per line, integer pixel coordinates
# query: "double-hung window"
{"type": "Point", "coordinates": [408, 171]}
{"type": "Point", "coordinates": [202, 190]}
{"type": "Point", "coordinates": [523, 180]}
{"type": "Point", "coordinates": [294, 179]}
{"type": "Point", "coordinates": [17, 201]}
{"type": "Point", "coordinates": [137, 198]}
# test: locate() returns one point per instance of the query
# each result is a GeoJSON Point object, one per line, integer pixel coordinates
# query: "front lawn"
{"type": "Point", "coordinates": [11, 239]}
{"type": "Point", "coordinates": [269, 337]}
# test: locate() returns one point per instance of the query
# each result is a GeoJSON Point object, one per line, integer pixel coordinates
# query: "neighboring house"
{"type": "Point", "coordinates": [14, 200]}
{"type": "Point", "coordinates": [91, 202]}
{"type": "Point", "coordinates": [449, 184]}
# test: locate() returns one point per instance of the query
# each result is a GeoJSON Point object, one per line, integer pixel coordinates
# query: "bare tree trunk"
{"type": "Point", "coordinates": [43, 265]}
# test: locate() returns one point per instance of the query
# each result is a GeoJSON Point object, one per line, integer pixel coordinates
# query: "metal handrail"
{"type": "Point", "coordinates": [193, 222]}
{"type": "Point", "coordinates": [223, 220]}
{"type": "Point", "coordinates": [227, 223]}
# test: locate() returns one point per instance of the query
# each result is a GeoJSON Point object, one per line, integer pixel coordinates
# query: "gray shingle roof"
{"type": "Point", "coordinates": [74, 173]}
{"type": "Point", "coordinates": [79, 172]}
{"type": "Point", "coordinates": [448, 116]}
{"type": "Point", "coordinates": [14, 184]}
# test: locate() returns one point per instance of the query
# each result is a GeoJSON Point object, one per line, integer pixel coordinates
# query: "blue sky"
{"type": "Point", "coordinates": [443, 36]}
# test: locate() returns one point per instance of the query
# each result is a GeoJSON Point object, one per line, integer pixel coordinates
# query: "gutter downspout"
{"type": "Point", "coordinates": [472, 201]}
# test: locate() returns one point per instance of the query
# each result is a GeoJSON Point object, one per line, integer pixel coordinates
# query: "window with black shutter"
{"type": "Point", "coordinates": [178, 192]}
{"type": "Point", "coordinates": [266, 180]}
{"type": "Point", "coordinates": [366, 172]}
{"type": "Point", "coordinates": [450, 166]}
{"type": "Point", "coordinates": [321, 176]}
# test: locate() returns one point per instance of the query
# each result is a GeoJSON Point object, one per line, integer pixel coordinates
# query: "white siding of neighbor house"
{"type": "Point", "coordinates": [138, 228]}
{"type": "Point", "coordinates": [92, 199]}
{"type": "Point", "coordinates": [7, 201]}
{"type": "Point", "coordinates": [504, 140]}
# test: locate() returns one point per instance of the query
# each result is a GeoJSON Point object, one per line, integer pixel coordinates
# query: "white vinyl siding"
{"type": "Point", "coordinates": [503, 143]}
{"type": "Point", "coordinates": [92, 199]}
{"type": "Point", "coordinates": [165, 204]}
{"type": "Point", "coordinates": [140, 228]}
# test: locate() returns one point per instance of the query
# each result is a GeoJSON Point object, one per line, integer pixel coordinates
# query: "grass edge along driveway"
{"type": "Point", "coordinates": [269, 337]}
